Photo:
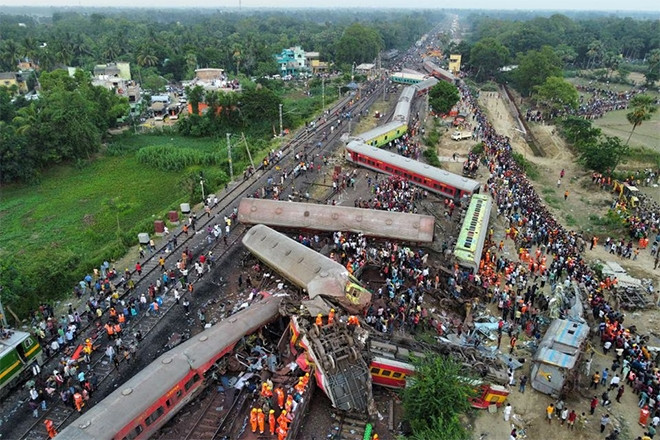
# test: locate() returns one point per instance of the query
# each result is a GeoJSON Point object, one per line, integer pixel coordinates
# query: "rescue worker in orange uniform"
{"type": "Point", "coordinates": [375, 437]}
{"type": "Point", "coordinates": [305, 379]}
{"type": "Point", "coordinates": [78, 401]}
{"type": "Point", "coordinates": [281, 433]}
{"type": "Point", "coordinates": [50, 428]}
{"type": "Point", "coordinates": [253, 419]}
{"type": "Point", "coordinates": [319, 320]}
{"type": "Point", "coordinates": [282, 420]}
{"type": "Point", "coordinates": [261, 420]}
{"type": "Point", "coordinates": [331, 317]}
{"type": "Point", "coordinates": [289, 403]}
{"type": "Point", "coordinates": [353, 320]}
{"type": "Point", "coordinates": [271, 421]}
{"type": "Point", "coordinates": [279, 392]}
{"type": "Point", "coordinates": [265, 390]}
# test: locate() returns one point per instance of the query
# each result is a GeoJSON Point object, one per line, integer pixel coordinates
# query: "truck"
{"type": "Point", "coordinates": [461, 135]}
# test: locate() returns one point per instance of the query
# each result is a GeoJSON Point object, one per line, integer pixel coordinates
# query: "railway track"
{"type": "Point", "coordinates": [62, 414]}
{"type": "Point", "coordinates": [352, 427]}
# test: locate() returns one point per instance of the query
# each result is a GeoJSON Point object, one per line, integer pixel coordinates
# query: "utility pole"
{"type": "Point", "coordinates": [231, 166]}
{"type": "Point", "coordinates": [323, 94]}
{"type": "Point", "coordinates": [201, 182]}
{"type": "Point", "coordinates": [3, 317]}
{"type": "Point", "coordinates": [281, 129]}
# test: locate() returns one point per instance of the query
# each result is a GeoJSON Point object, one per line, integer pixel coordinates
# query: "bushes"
{"type": "Point", "coordinates": [527, 167]}
{"type": "Point", "coordinates": [167, 158]}
{"type": "Point", "coordinates": [432, 157]}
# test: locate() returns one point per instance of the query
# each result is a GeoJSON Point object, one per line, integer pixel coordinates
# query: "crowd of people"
{"type": "Point", "coordinates": [547, 252]}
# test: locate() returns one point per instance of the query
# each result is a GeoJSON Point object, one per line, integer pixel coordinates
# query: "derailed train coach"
{"type": "Point", "coordinates": [307, 269]}
{"type": "Point", "coordinates": [144, 403]}
{"type": "Point", "coordinates": [308, 216]}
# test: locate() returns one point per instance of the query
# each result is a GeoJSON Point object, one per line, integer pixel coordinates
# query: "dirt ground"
{"type": "Point", "coordinates": [583, 201]}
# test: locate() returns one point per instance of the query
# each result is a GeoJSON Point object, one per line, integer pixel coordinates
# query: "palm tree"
{"type": "Point", "coordinates": [643, 108]}
{"type": "Point", "coordinates": [11, 53]}
{"type": "Point", "coordinates": [147, 59]}
{"type": "Point", "coordinates": [26, 118]}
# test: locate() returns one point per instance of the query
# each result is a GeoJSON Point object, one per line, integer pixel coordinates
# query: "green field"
{"type": "Point", "coordinates": [55, 232]}
{"type": "Point", "coordinates": [646, 135]}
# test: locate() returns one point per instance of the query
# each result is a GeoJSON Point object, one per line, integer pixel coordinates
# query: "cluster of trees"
{"type": "Point", "coordinates": [255, 109]}
{"type": "Point", "coordinates": [543, 47]}
{"type": "Point", "coordinates": [171, 44]}
{"type": "Point", "coordinates": [437, 398]}
{"type": "Point", "coordinates": [443, 96]}
{"type": "Point", "coordinates": [67, 122]}
{"type": "Point", "coordinates": [600, 152]}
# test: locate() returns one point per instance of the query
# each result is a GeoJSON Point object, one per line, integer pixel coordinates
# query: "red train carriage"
{"type": "Point", "coordinates": [393, 374]}
{"type": "Point", "coordinates": [426, 176]}
{"type": "Point", "coordinates": [143, 404]}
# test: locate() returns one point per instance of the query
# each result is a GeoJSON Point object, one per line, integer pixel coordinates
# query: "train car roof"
{"type": "Point", "coordinates": [381, 129]}
{"type": "Point", "coordinates": [304, 267]}
{"type": "Point", "coordinates": [10, 343]}
{"type": "Point", "coordinates": [370, 222]}
{"type": "Point", "coordinates": [442, 71]}
{"type": "Point", "coordinates": [414, 166]}
{"type": "Point", "coordinates": [427, 83]}
{"type": "Point", "coordinates": [135, 396]}
{"type": "Point", "coordinates": [466, 233]}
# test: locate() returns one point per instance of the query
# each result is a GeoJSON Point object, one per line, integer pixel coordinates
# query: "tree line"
{"type": "Point", "coordinates": [543, 47]}
{"type": "Point", "coordinates": [177, 42]}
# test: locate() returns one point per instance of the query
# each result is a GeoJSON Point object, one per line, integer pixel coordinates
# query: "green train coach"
{"type": "Point", "coordinates": [18, 352]}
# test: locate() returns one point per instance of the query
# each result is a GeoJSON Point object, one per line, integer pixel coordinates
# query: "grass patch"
{"type": "Point", "coordinates": [609, 224]}
{"type": "Point", "coordinates": [78, 216]}
{"type": "Point", "coordinates": [645, 155]}
{"type": "Point", "coordinates": [530, 169]}
{"type": "Point", "coordinates": [548, 190]}
{"type": "Point", "coordinates": [570, 220]}
{"type": "Point", "coordinates": [553, 201]}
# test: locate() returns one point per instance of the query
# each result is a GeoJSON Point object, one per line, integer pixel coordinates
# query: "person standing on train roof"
{"type": "Point", "coordinates": [319, 320]}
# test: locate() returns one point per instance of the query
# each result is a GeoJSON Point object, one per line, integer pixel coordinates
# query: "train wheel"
{"type": "Point", "coordinates": [353, 355]}
{"type": "Point", "coordinates": [330, 362]}
{"type": "Point", "coordinates": [349, 340]}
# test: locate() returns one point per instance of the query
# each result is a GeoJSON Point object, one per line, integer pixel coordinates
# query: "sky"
{"type": "Point", "coordinates": [586, 5]}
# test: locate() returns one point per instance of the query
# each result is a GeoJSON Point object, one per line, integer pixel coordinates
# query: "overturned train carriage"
{"type": "Point", "coordinates": [306, 268]}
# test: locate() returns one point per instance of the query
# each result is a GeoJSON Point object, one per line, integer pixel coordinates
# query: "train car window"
{"type": "Point", "coordinates": [178, 394]}
{"type": "Point", "coordinates": [134, 433]}
{"type": "Point", "coordinates": [387, 373]}
{"type": "Point", "coordinates": [168, 403]}
{"type": "Point", "coordinates": [190, 382]}
{"type": "Point", "coordinates": [154, 415]}
{"type": "Point", "coordinates": [375, 370]}
{"type": "Point", "coordinates": [397, 375]}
